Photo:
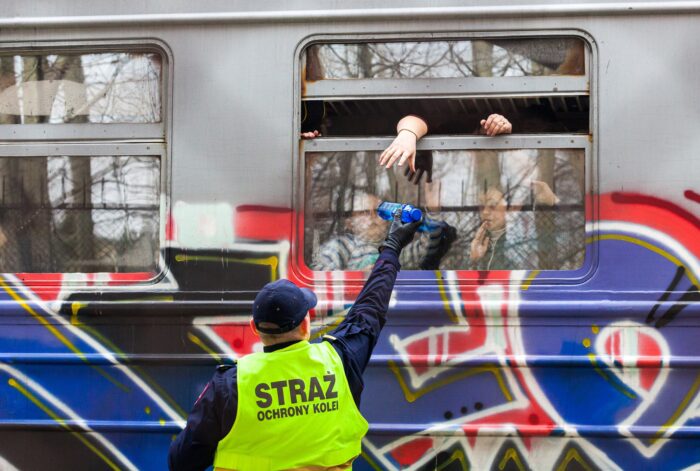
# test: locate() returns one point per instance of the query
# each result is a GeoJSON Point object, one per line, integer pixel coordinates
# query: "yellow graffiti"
{"type": "Point", "coordinates": [56, 333]}
{"type": "Point", "coordinates": [511, 455]}
{"type": "Point", "coordinates": [573, 455]}
{"type": "Point", "coordinates": [615, 384]}
{"type": "Point", "coordinates": [530, 278]}
{"type": "Point", "coordinates": [677, 413]}
{"type": "Point", "coordinates": [75, 308]}
{"type": "Point", "coordinates": [411, 396]}
{"type": "Point", "coordinates": [272, 261]}
{"type": "Point", "coordinates": [457, 456]}
{"type": "Point", "coordinates": [648, 246]}
{"type": "Point", "coordinates": [197, 341]}
{"type": "Point", "coordinates": [37, 402]}
{"type": "Point", "coordinates": [445, 299]}
{"type": "Point", "coordinates": [370, 461]}
{"type": "Point", "coordinates": [327, 328]}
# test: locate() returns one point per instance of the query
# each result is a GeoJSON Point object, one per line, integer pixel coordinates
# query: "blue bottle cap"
{"type": "Point", "coordinates": [415, 213]}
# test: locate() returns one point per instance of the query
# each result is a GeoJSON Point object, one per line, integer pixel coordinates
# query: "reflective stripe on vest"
{"type": "Point", "coordinates": [295, 409]}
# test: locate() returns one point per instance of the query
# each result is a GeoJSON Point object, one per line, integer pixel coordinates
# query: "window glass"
{"type": "Point", "coordinates": [79, 214]}
{"type": "Point", "coordinates": [493, 57]}
{"type": "Point", "coordinates": [513, 209]}
{"type": "Point", "coordinates": [110, 87]}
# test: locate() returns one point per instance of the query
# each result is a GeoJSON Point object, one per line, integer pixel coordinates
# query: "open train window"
{"type": "Point", "coordinates": [525, 191]}
{"type": "Point", "coordinates": [90, 207]}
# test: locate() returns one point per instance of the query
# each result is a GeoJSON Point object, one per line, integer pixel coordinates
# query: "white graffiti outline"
{"type": "Point", "coordinates": [69, 413]}
{"type": "Point", "coordinates": [98, 347]}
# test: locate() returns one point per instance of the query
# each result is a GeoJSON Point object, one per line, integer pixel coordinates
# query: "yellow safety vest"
{"type": "Point", "coordinates": [295, 410]}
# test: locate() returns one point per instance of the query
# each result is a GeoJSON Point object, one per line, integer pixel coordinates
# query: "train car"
{"type": "Point", "coordinates": [154, 177]}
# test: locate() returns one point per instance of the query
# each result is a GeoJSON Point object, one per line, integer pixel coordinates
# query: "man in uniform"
{"type": "Point", "coordinates": [296, 404]}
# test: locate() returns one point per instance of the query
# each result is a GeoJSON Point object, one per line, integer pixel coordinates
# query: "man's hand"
{"type": "Point", "coordinates": [400, 234]}
{"type": "Point", "coordinates": [480, 244]}
{"type": "Point", "coordinates": [543, 193]}
{"type": "Point", "coordinates": [403, 149]}
{"type": "Point", "coordinates": [441, 238]}
{"type": "Point", "coordinates": [423, 165]}
{"type": "Point", "coordinates": [496, 124]}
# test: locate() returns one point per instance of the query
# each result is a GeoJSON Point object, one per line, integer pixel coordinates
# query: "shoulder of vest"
{"type": "Point", "coordinates": [222, 368]}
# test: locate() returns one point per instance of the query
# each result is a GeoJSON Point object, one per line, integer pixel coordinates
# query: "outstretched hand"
{"type": "Point", "coordinates": [401, 150]}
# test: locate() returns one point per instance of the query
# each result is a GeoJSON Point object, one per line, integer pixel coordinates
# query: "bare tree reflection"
{"type": "Point", "coordinates": [539, 235]}
{"type": "Point", "coordinates": [80, 214]}
{"type": "Point", "coordinates": [445, 59]}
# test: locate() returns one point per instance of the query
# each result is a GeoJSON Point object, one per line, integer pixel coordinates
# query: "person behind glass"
{"type": "Point", "coordinates": [402, 150]}
{"type": "Point", "coordinates": [356, 248]}
{"type": "Point", "coordinates": [489, 250]}
{"type": "Point", "coordinates": [296, 404]}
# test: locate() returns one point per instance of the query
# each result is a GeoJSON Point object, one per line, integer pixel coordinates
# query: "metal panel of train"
{"type": "Point", "coordinates": [154, 178]}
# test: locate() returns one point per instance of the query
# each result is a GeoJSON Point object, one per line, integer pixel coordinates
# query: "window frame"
{"type": "Point", "coordinates": [99, 139]}
{"type": "Point", "coordinates": [541, 86]}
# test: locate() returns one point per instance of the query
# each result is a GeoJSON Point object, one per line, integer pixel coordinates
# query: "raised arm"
{"type": "Point", "coordinates": [357, 335]}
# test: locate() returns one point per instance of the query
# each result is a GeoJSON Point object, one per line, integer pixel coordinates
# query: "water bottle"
{"type": "Point", "coordinates": [386, 210]}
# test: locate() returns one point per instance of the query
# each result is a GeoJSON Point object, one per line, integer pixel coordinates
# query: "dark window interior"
{"type": "Point", "coordinates": [552, 114]}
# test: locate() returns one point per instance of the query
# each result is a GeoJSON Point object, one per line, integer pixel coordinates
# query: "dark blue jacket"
{"type": "Point", "coordinates": [214, 412]}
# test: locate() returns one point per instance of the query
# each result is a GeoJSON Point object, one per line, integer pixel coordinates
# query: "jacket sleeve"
{"type": "Point", "coordinates": [210, 420]}
{"type": "Point", "coordinates": [355, 337]}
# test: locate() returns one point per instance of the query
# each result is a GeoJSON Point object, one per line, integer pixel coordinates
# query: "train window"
{"type": "Point", "coordinates": [447, 59]}
{"type": "Point", "coordinates": [80, 213]}
{"type": "Point", "coordinates": [508, 203]}
{"type": "Point", "coordinates": [530, 202]}
{"type": "Point", "coordinates": [82, 169]}
{"type": "Point", "coordinates": [57, 88]}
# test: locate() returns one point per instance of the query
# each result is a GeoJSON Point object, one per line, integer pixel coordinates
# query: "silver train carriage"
{"type": "Point", "coordinates": [154, 178]}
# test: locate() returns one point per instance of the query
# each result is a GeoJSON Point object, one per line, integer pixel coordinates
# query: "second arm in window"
{"type": "Point", "coordinates": [411, 128]}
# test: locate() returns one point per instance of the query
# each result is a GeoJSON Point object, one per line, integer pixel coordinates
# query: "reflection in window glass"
{"type": "Point", "coordinates": [79, 214]}
{"type": "Point", "coordinates": [515, 209]}
{"type": "Point", "coordinates": [113, 87]}
{"type": "Point", "coordinates": [496, 57]}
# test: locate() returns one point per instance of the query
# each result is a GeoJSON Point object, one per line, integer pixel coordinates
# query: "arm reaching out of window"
{"type": "Point", "coordinates": [409, 130]}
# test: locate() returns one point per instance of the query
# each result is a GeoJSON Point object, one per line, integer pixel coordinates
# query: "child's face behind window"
{"type": "Point", "coordinates": [493, 209]}
{"type": "Point", "coordinates": [364, 223]}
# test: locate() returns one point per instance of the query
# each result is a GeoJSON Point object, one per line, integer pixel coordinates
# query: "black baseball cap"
{"type": "Point", "coordinates": [282, 303]}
